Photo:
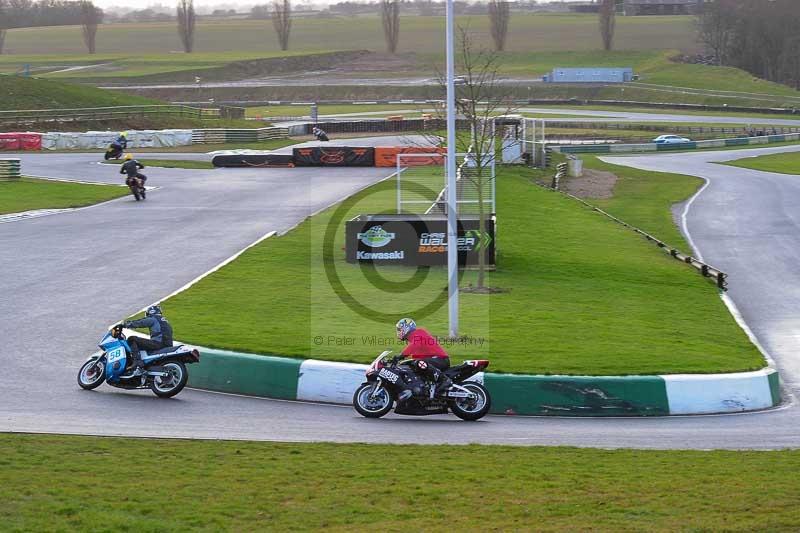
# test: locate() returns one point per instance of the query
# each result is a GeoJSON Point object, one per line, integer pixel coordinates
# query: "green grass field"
{"type": "Point", "coordinates": [28, 194]}
{"type": "Point", "coordinates": [170, 163]}
{"type": "Point", "coordinates": [310, 34]}
{"type": "Point", "coordinates": [780, 163]}
{"type": "Point", "coordinates": [62, 483]}
{"type": "Point", "coordinates": [536, 44]}
{"type": "Point", "coordinates": [27, 93]}
{"type": "Point", "coordinates": [585, 296]}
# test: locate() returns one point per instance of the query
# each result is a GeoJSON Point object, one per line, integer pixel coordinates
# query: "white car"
{"type": "Point", "coordinates": [671, 139]}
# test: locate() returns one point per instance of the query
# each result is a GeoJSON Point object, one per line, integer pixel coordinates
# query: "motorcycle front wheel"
{"type": "Point", "coordinates": [91, 374]}
{"type": "Point", "coordinates": [369, 405]}
{"type": "Point", "coordinates": [472, 408]}
{"type": "Point", "coordinates": [169, 386]}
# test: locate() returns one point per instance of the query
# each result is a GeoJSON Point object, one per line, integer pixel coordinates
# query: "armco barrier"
{"type": "Point", "coordinates": [326, 381]}
{"type": "Point", "coordinates": [244, 135]}
{"type": "Point", "coordinates": [653, 147]}
{"type": "Point", "coordinates": [29, 116]}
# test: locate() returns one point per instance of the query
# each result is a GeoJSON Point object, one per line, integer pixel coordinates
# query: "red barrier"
{"type": "Point", "coordinates": [387, 156]}
{"type": "Point", "coordinates": [20, 141]}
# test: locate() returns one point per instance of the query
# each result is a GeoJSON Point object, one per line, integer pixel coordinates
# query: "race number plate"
{"type": "Point", "coordinates": [388, 375]}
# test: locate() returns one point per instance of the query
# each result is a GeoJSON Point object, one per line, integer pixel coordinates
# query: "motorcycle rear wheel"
{"type": "Point", "coordinates": [92, 374]}
{"type": "Point", "coordinates": [136, 194]}
{"type": "Point", "coordinates": [467, 409]}
{"type": "Point", "coordinates": [169, 387]}
{"type": "Point", "coordinates": [374, 407]}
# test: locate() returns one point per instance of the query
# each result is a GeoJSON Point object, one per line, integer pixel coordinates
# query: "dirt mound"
{"type": "Point", "coordinates": [595, 184]}
{"type": "Point", "coordinates": [379, 62]}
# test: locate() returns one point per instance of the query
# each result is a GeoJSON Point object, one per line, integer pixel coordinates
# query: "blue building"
{"type": "Point", "coordinates": [589, 75]}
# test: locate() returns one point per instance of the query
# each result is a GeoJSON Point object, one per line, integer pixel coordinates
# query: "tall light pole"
{"type": "Point", "coordinates": [452, 228]}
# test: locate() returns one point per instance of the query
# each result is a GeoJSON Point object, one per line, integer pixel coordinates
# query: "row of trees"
{"type": "Point", "coordinates": [759, 37]}
{"type": "Point", "coordinates": [498, 10]}
{"type": "Point", "coordinates": [24, 13]}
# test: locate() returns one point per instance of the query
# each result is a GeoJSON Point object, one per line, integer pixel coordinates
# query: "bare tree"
{"type": "Point", "coordinates": [390, 14]}
{"type": "Point", "coordinates": [282, 21]}
{"type": "Point", "coordinates": [716, 28]}
{"type": "Point", "coordinates": [499, 13]}
{"type": "Point", "coordinates": [91, 16]}
{"type": "Point", "coordinates": [186, 24]}
{"type": "Point", "coordinates": [480, 97]}
{"type": "Point", "coordinates": [608, 17]}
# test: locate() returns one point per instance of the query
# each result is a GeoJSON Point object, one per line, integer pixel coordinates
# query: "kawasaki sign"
{"type": "Point", "coordinates": [417, 240]}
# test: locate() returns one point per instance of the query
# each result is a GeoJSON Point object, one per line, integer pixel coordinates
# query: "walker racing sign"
{"type": "Point", "coordinates": [416, 240]}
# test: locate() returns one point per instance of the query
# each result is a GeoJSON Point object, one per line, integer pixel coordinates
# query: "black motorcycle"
{"type": "Point", "coordinates": [390, 379]}
{"type": "Point", "coordinates": [114, 151]}
{"type": "Point", "coordinates": [136, 185]}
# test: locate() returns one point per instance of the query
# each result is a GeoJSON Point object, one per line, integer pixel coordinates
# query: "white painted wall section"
{"type": "Point", "coordinates": [326, 381]}
{"type": "Point", "coordinates": [718, 393]}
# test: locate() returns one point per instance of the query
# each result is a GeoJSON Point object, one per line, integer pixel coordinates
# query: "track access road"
{"type": "Point", "coordinates": [69, 275]}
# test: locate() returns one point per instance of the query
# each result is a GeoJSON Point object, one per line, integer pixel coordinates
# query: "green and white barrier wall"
{"type": "Point", "coordinates": [653, 147]}
{"type": "Point", "coordinates": [324, 381]}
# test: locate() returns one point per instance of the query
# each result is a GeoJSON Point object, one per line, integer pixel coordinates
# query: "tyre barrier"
{"type": "Point", "coordinates": [10, 169]}
{"type": "Point", "coordinates": [253, 160]}
{"type": "Point", "coordinates": [335, 156]}
{"type": "Point", "coordinates": [331, 156]}
{"type": "Point", "coordinates": [548, 395]}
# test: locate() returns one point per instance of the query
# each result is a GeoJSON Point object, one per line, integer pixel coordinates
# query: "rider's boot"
{"type": "Point", "coordinates": [138, 365]}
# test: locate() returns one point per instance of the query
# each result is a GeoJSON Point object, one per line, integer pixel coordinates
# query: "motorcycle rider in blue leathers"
{"type": "Point", "coordinates": [160, 335]}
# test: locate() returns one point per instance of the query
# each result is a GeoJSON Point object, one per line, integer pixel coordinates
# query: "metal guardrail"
{"type": "Point", "coordinates": [10, 169]}
{"type": "Point", "coordinates": [107, 113]}
{"type": "Point", "coordinates": [720, 278]}
{"type": "Point", "coordinates": [226, 135]}
{"type": "Point", "coordinates": [673, 128]}
{"type": "Point", "coordinates": [794, 109]}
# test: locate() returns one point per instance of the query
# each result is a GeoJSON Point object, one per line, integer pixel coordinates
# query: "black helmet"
{"type": "Point", "coordinates": [153, 310]}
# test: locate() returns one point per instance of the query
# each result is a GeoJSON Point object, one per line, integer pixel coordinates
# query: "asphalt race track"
{"type": "Point", "coordinates": [65, 277]}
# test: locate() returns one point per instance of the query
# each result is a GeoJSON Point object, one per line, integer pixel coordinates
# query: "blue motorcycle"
{"type": "Point", "coordinates": [164, 370]}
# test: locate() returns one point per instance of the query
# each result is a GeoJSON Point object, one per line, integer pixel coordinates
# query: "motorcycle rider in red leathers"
{"type": "Point", "coordinates": [429, 359]}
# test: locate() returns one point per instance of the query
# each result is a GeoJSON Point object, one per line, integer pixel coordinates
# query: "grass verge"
{"type": "Point", "coordinates": [584, 296]}
{"type": "Point", "coordinates": [788, 163]}
{"type": "Point", "coordinates": [170, 163]}
{"type": "Point", "coordinates": [54, 483]}
{"type": "Point", "coordinates": [29, 193]}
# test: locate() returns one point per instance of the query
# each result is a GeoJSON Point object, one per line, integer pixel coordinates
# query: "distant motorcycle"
{"type": "Point", "coordinates": [136, 185]}
{"type": "Point", "coordinates": [388, 378]}
{"type": "Point", "coordinates": [164, 370]}
{"type": "Point", "coordinates": [114, 151]}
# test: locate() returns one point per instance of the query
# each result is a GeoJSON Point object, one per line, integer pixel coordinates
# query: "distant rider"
{"type": "Point", "coordinates": [319, 134]}
{"type": "Point", "coordinates": [160, 335]}
{"type": "Point", "coordinates": [122, 140]}
{"type": "Point", "coordinates": [131, 168]}
{"type": "Point", "coordinates": [429, 359]}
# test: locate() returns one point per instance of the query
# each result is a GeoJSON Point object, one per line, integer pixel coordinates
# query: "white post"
{"type": "Point", "coordinates": [544, 149]}
{"type": "Point", "coordinates": [399, 185]}
{"type": "Point", "coordinates": [452, 228]}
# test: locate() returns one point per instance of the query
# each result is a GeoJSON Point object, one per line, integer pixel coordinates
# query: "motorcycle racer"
{"type": "Point", "coordinates": [160, 335]}
{"type": "Point", "coordinates": [429, 358]}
